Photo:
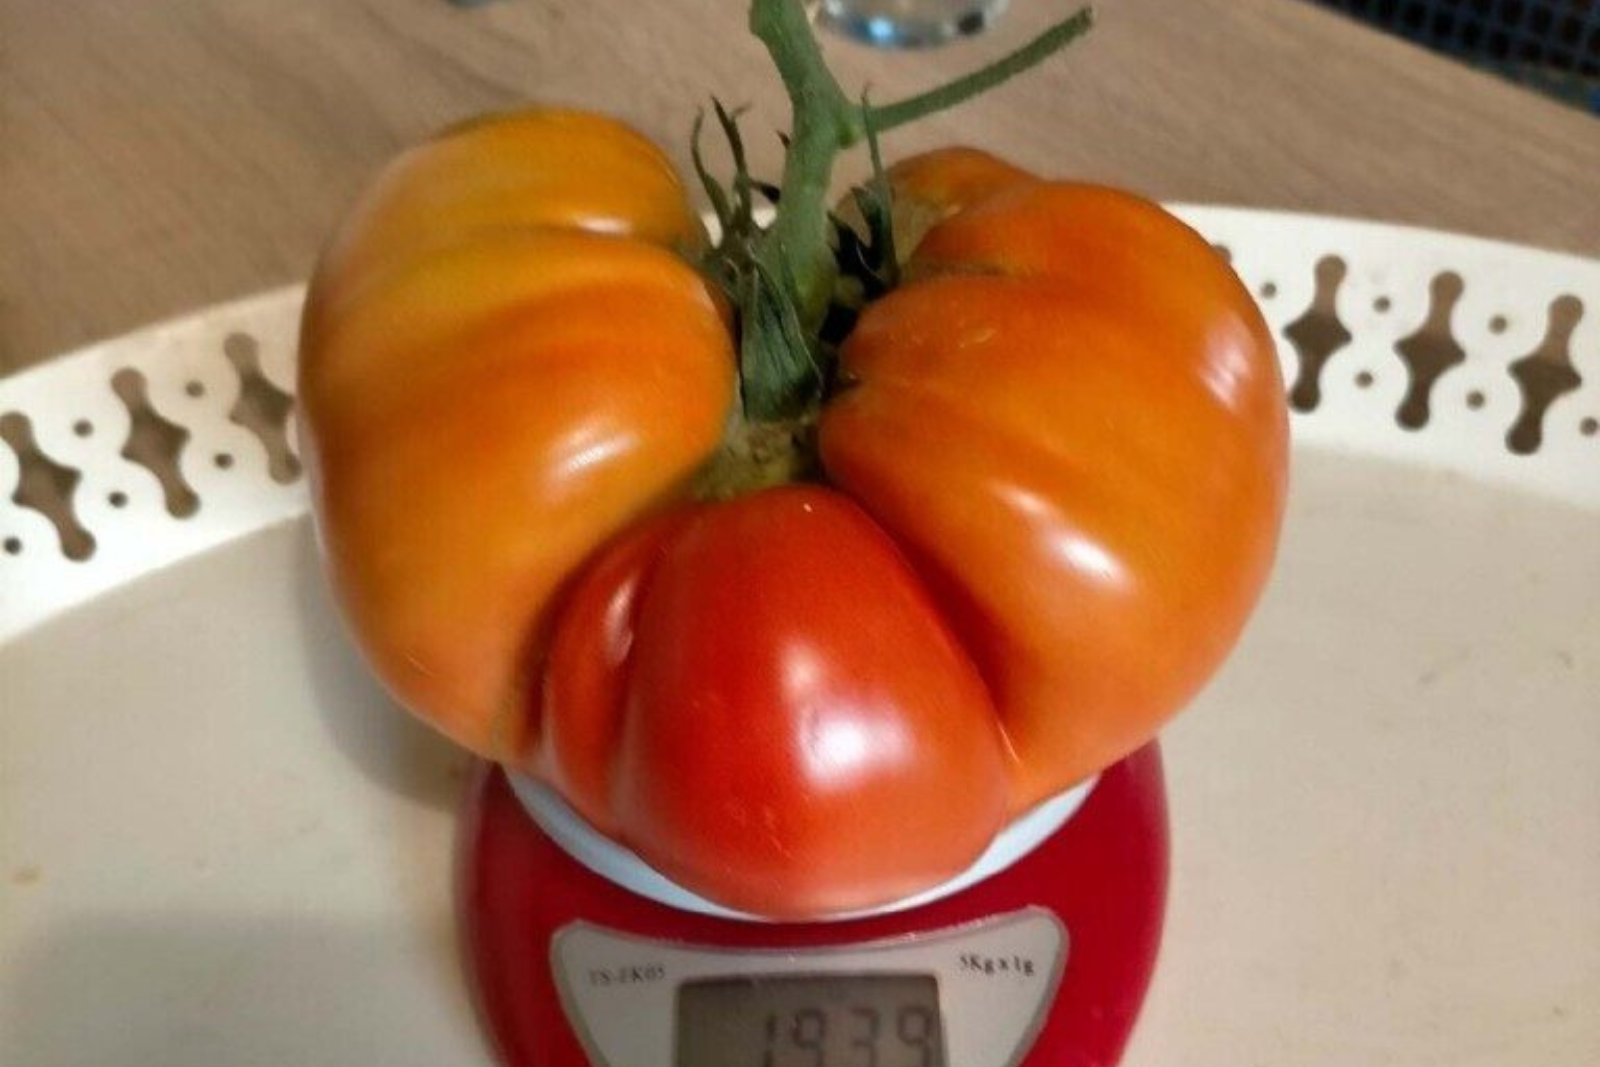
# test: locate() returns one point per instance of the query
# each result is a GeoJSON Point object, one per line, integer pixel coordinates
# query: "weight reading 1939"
{"type": "Point", "coordinates": [882, 1020]}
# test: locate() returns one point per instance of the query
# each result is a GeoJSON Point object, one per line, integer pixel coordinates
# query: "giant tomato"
{"type": "Point", "coordinates": [1054, 467]}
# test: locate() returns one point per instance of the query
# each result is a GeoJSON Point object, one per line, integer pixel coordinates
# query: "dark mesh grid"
{"type": "Point", "coordinates": [1552, 45]}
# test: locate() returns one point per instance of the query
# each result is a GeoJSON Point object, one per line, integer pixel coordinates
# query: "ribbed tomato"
{"type": "Point", "coordinates": [1044, 491]}
{"type": "Point", "coordinates": [1073, 421]}
{"type": "Point", "coordinates": [503, 363]}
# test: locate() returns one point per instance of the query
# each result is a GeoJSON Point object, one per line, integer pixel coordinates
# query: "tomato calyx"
{"type": "Point", "coordinates": [760, 455]}
{"type": "Point", "coordinates": [799, 281]}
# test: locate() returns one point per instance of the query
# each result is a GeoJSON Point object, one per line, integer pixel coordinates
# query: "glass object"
{"type": "Point", "coordinates": [909, 23]}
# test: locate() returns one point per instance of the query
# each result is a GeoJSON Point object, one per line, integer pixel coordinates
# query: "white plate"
{"type": "Point", "coordinates": [220, 845]}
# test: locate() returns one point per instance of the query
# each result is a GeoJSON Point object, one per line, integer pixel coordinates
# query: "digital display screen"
{"type": "Point", "coordinates": [865, 1020]}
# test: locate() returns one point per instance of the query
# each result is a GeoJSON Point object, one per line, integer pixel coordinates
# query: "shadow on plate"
{"type": "Point", "coordinates": [129, 991]}
{"type": "Point", "coordinates": [384, 741]}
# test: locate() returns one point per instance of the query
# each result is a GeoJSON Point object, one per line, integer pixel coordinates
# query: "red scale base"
{"type": "Point", "coordinates": [1104, 874]}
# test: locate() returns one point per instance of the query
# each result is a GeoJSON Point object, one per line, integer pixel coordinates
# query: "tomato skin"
{"type": "Point", "coordinates": [797, 731]}
{"type": "Point", "coordinates": [1072, 419]}
{"type": "Point", "coordinates": [932, 186]}
{"type": "Point", "coordinates": [542, 168]}
{"type": "Point", "coordinates": [581, 701]}
{"type": "Point", "coordinates": [1056, 466]}
{"type": "Point", "coordinates": [502, 366]}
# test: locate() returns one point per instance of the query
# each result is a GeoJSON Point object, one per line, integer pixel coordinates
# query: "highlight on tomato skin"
{"type": "Point", "coordinates": [1071, 417]}
{"type": "Point", "coordinates": [489, 389]}
{"type": "Point", "coordinates": [791, 729]}
{"type": "Point", "coordinates": [583, 686]}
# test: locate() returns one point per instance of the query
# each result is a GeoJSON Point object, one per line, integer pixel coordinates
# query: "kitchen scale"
{"type": "Point", "coordinates": [1041, 954]}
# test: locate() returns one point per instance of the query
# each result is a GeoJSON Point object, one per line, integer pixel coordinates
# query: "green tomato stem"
{"type": "Point", "coordinates": [824, 123]}
{"type": "Point", "coordinates": [794, 271]}
{"type": "Point", "coordinates": [982, 80]}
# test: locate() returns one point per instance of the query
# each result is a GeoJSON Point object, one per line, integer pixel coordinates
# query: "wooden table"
{"type": "Point", "coordinates": [162, 155]}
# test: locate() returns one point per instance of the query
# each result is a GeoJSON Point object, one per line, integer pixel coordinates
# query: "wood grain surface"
{"type": "Point", "coordinates": [162, 155]}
